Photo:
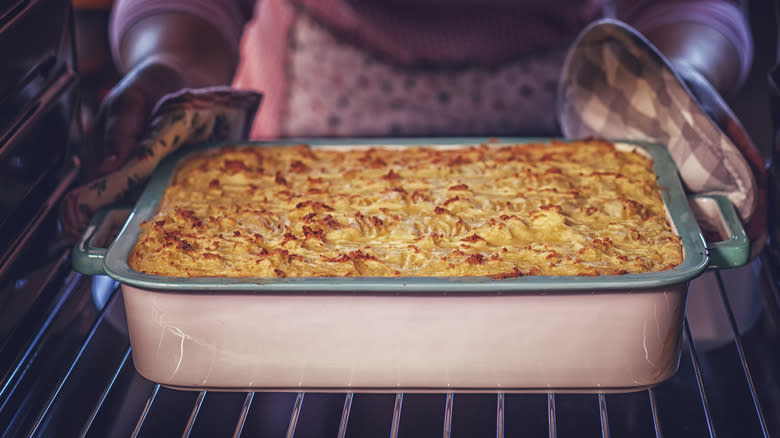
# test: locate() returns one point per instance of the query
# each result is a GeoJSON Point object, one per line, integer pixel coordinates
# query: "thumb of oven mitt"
{"type": "Point", "coordinates": [616, 84]}
{"type": "Point", "coordinates": [179, 119]}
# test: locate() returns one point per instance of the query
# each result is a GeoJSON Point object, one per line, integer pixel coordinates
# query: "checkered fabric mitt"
{"type": "Point", "coordinates": [615, 84]}
{"type": "Point", "coordinates": [186, 117]}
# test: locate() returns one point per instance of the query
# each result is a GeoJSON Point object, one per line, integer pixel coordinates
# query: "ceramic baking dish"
{"type": "Point", "coordinates": [533, 333]}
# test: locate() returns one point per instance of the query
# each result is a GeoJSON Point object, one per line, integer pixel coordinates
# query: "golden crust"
{"type": "Point", "coordinates": [579, 208]}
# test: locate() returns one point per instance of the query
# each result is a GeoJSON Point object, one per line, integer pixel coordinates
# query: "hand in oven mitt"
{"type": "Point", "coordinates": [182, 118]}
{"type": "Point", "coordinates": [616, 84]}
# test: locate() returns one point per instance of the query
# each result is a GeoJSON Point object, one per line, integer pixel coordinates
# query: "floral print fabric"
{"type": "Point", "coordinates": [184, 118]}
{"type": "Point", "coordinates": [336, 88]}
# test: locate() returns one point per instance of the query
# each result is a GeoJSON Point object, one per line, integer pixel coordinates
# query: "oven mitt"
{"type": "Point", "coordinates": [616, 84]}
{"type": "Point", "coordinates": [182, 118]}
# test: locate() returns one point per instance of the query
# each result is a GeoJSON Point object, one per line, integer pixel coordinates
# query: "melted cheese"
{"type": "Point", "coordinates": [580, 208]}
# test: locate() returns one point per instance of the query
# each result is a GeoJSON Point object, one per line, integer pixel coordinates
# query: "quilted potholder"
{"type": "Point", "coordinates": [616, 84]}
{"type": "Point", "coordinates": [186, 117]}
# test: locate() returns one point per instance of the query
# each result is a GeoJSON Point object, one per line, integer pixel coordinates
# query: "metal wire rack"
{"type": "Point", "coordinates": [73, 376]}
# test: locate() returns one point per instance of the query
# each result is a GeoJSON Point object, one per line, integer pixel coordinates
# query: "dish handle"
{"type": "Point", "coordinates": [90, 251]}
{"type": "Point", "coordinates": [717, 218]}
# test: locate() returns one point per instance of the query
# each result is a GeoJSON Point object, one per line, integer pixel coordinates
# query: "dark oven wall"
{"type": "Point", "coordinates": [38, 109]}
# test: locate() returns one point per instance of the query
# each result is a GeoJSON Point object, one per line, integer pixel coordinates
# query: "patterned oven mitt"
{"type": "Point", "coordinates": [186, 117]}
{"type": "Point", "coordinates": [615, 84]}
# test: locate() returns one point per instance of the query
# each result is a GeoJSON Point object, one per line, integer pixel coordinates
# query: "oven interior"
{"type": "Point", "coordinates": [65, 360]}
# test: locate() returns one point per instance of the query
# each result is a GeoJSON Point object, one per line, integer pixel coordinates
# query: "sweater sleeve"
{"type": "Point", "coordinates": [727, 17]}
{"type": "Point", "coordinates": [227, 16]}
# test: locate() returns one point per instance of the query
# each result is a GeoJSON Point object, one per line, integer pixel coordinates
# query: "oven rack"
{"type": "Point", "coordinates": [74, 376]}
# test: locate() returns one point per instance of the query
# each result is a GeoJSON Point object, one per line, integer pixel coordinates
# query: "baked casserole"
{"type": "Point", "coordinates": [583, 207]}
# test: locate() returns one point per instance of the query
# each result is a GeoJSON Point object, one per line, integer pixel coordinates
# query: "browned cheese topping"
{"type": "Point", "coordinates": [579, 208]}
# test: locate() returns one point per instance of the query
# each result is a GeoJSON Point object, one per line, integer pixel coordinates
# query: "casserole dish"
{"type": "Point", "coordinates": [532, 333]}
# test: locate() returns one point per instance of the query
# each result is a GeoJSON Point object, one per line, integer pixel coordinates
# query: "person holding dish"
{"type": "Point", "coordinates": [370, 68]}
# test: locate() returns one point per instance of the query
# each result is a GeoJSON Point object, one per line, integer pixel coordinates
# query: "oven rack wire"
{"type": "Point", "coordinates": [74, 376]}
